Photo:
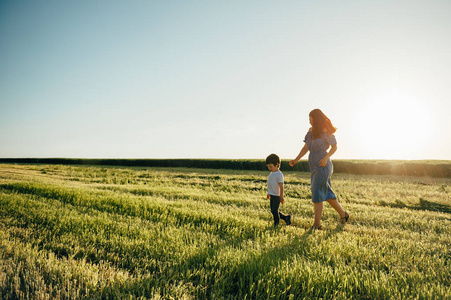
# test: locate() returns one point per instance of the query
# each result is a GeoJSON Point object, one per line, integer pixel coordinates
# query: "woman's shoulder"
{"type": "Point", "coordinates": [307, 135]}
{"type": "Point", "coordinates": [329, 138]}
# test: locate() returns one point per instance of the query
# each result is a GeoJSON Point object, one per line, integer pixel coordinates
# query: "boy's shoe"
{"type": "Point", "coordinates": [288, 220]}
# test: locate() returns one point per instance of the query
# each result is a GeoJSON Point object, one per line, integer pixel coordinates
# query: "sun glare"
{"type": "Point", "coordinates": [393, 127]}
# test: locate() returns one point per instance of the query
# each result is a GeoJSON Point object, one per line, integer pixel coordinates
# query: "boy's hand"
{"type": "Point", "coordinates": [282, 199]}
{"type": "Point", "coordinates": [292, 162]}
{"type": "Point", "coordinates": [268, 196]}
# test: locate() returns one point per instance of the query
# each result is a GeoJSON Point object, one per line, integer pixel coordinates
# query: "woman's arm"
{"type": "Point", "coordinates": [303, 152]}
{"type": "Point", "coordinates": [323, 161]}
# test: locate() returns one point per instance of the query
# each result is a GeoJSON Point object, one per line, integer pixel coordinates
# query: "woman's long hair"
{"type": "Point", "coordinates": [321, 124]}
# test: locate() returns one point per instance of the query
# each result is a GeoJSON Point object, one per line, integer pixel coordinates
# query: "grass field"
{"type": "Point", "coordinates": [108, 232]}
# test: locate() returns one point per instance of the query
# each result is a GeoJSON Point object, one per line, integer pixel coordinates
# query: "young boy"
{"type": "Point", "coordinates": [275, 189]}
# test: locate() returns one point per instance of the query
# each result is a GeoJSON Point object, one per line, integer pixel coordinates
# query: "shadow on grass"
{"type": "Point", "coordinates": [237, 278]}
{"type": "Point", "coordinates": [422, 205]}
{"type": "Point", "coordinates": [433, 206]}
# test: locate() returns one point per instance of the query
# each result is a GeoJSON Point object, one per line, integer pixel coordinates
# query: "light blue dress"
{"type": "Point", "coordinates": [320, 176]}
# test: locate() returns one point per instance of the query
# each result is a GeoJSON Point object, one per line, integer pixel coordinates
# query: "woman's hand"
{"type": "Point", "coordinates": [292, 162]}
{"type": "Point", "coordinates": [323, 161]}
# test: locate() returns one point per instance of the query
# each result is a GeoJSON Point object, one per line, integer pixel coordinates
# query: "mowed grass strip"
{"type": "Point", "coordinates": [74, 232]}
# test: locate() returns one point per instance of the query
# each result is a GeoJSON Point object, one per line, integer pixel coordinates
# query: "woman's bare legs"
{"type": "Point", "coordinates": [318, 208]}
{"type": "Point", "coordinates": [334, 203]}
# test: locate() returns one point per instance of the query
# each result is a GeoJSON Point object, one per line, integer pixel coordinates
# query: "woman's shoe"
{"type": "Point", "coordinates": [344, 220]}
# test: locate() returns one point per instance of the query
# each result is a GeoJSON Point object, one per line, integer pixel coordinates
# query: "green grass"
{"type": "Point", "coordinates": [159, 233]}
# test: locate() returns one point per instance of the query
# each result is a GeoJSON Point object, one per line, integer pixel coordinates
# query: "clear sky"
{"type": "Point", "coordinates": [224, 79]}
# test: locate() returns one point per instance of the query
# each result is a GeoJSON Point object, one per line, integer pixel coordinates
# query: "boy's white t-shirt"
{"type": "Point", "coordinates": [273, 182]}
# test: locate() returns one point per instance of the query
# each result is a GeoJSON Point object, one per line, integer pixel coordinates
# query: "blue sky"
{"type": "Point", "coordinates": [223, 79]}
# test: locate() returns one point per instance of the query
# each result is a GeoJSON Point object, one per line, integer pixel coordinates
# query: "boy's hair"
{"type": "Point", "coordinates": [273, 159]}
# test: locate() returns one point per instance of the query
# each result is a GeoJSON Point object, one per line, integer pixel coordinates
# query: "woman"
{"type": "Point", "coordinates": [318, 140]}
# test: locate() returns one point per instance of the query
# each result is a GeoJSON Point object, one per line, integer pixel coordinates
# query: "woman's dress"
{"type": "Point", "coordinates": [320, 176]}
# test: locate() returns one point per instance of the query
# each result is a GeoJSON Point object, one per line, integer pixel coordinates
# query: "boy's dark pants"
{"type": "Point", "coordinates": [277, 215]}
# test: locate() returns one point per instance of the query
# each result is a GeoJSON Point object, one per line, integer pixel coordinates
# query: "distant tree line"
{"type": "Point", "coordinates": [364, 167]}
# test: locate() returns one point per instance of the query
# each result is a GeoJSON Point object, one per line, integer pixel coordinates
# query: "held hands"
{"type": "Point", "coordinates": [292, 162]}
